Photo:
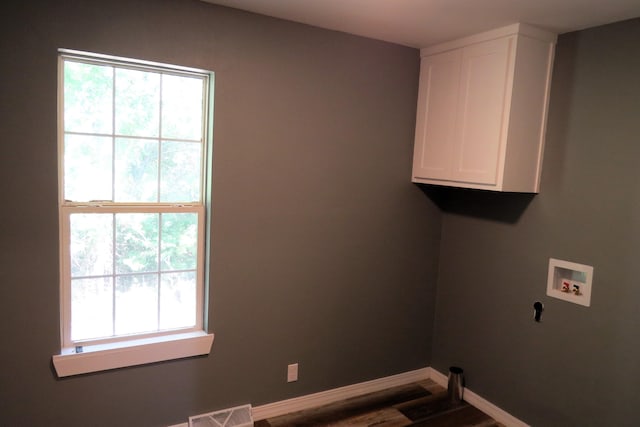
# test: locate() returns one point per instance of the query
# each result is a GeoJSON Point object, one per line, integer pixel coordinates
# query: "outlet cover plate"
{"type": "Point", "coordinates": [292, 372]}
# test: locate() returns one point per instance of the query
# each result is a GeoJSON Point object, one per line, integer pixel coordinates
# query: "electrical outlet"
{"type": "Point", "coordinates": [292, 372]}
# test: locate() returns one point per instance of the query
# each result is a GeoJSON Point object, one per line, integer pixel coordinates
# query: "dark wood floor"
{"type": "Point", "coordinates": [418, 404]}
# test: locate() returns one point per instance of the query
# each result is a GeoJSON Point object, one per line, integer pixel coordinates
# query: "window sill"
{"type": "Point", "coordinates": [138, 352]}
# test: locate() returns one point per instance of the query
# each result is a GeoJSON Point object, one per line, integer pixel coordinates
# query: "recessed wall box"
{"type": "Point", "coordinates": [570, 281]}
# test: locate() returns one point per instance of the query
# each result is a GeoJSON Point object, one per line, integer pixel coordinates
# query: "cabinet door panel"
{"type": "Point", "coordinates": [435, 127]}
{"type": "Point", "coordinates": [482, 114]}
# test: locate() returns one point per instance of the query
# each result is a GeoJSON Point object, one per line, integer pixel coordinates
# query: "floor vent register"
{"type": "Point", "coordinates": [239, 416]}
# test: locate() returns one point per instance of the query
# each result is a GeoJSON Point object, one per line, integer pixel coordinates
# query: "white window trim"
{"type": "Point", "coordinates": [102, 357]}
{"type": "Point", "coordinates": [144, 350]}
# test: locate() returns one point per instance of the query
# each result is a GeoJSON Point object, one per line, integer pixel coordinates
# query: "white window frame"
{"type": "Point", "coordinates": [116, 352]}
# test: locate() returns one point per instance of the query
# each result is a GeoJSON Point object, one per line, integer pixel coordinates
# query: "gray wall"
{"type": "Point", "coordinates": [579, 367]}
{"type": "Point", "coordinates": [323, 252]}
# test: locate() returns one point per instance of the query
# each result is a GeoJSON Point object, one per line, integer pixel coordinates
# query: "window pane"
{"type": "Point", "coordinates": [179, 241]}
{"type": "Point", "coordinates": [180, 171]}
{"type": "Point", "coordinates": [136, 242]}
{"type": "Point", "coordinates": [91, 308]}
{"type": "Point", "coordinates": [91, 244]}
{"type": "Point", "coordinates": [136, 170]}
{"type": "Point", "coordinates": [182, 107]}
{"type": "Point", "coordinates": [178, 300]}
{"type": "Point", "coordinates": [136, 304]}
{"type": "Point", "coordinates": [87, 167]}
{"type": "Point", "coordinates": [137, 103]}
{"type": "Point", "coordinates": [133, 137]}
{"type": "Point", "coordinates": [88, 97]}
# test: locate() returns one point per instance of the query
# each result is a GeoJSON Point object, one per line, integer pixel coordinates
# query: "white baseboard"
{"type": "Point", "coordinates": [337, 394]}
{"type": "Point", "coordinates": [324, 397]}
{"type": "Point", "coordinates": [481, 403]}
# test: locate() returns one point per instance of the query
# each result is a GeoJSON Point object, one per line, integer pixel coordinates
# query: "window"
{"type": "Point", "coordinates": [133, 161]}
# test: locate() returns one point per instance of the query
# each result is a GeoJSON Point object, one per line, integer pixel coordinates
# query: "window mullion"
{"type": "Point", "coordinates": [113, 138]}
{"type": "Point", "coordinates": [159, 154]}
{"type": "Point", "coordinates": [160, 140]}
{"type": "Point", "coordinates": [159, 276]}
{"type": "Point", "coordinates": [113, 194]}
{"type": "Point", "coordinates": [113, 275]}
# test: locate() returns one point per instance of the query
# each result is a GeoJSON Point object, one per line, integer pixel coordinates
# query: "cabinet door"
{"type": "Point", "coordinates": [482, 115]}
{"type": "Point", "coordinates": [436, 115]}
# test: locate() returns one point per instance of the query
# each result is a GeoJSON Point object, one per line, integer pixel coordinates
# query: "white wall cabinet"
{"type": "Point", "coordinates": [482, 108]}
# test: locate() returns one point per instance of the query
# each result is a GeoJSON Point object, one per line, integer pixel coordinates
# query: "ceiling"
{"type": "Point", "coordinates": [420, 23]}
